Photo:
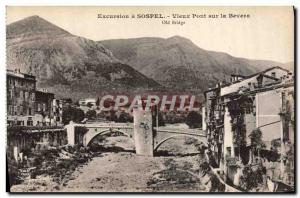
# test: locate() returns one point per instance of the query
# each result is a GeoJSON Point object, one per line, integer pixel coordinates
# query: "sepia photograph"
{"type": "Point", "coordinates": [150, 99]}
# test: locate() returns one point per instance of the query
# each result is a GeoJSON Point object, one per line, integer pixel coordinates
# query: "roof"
{"type": "Point", "coordinates": [87, 99]}
{"type": "Point", "coordinates": [247, 77]}
{"type": "Point", "coordinates": [238, 75]}
{"type": "Point", "coordinates": [256, 74]}
{"type": "Point", "coordinates": [18, 74]}
{"type": "Point", "coordinates": [266, 70]}
{"type": "Point", "coordinates": [211, 89]}
{"type": "Point", "coordinates": [262, 89]}
{"type": "Point", "coordinates": [44, 93]}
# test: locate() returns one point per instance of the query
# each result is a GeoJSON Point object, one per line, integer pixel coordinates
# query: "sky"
{"type": "Point", "coordinates": [268, 34]}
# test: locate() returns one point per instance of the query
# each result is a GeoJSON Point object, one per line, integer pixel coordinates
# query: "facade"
{"type": "Point", "coordinates": [86, 101]}
{"type": "Point", "coordinates": [32, 116]}
{"type": "Point", "coordinates": [44, 108]}
{"type": "Point", "coordinates": [57, 108]}
{"type": "Point", "coordinates": [26, 106]}
{"type": "Point", "coordinates": [20, 98]}
{"type": "Point", "coordinates": [234, 111]}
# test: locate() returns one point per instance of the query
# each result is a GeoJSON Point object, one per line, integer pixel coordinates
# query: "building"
{"type": "Point", "coordinates": [57, 111]}
{"type": "Point", "coordinates": [263, 101]}
{"type": "Point", "coordinates": [44, 108]}
{"type": "Point", "coordinates": [26, 106]}
{"type": "Point", "coordinates": [20, 98]}
{"type": "Point", "coordinates": [87, 101]}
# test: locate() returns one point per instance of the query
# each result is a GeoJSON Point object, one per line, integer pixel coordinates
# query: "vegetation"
{"type": "Point", "coordinates": [15, 130]}
{"type": "Point", "coordinates": [172, 117]}
{"type": "Point", "coordinates": [251, 179]}
{"type": "Point", "coordinates": [256, 141]}
{"type": "Point", "coordinates": [124, 117]}
{"type": "Point", "coordinates": [58, 163]}
{"type": "Point", "coordinates": [91, 114]}
{"type": "Point", "coordinates": [275, 144]}
{"type": "Point", "coordinates": [160, 119]}
{"type": "Point", "coordinates": [89, 105]}
{"type": "Point", "coordinates": [72, 114]}
{"type": "Point", "coordinates": [98, 102]}
{"type": "Point", "coordinates": [194, 120]}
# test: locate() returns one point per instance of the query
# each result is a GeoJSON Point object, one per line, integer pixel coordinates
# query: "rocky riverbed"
{"type": "Point", "coordinates": [124, 171]}
{"type": "Point", "coordinates": [128, 172]}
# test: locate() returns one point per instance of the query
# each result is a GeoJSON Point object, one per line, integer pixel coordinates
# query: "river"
{"type": "Point", "coordinates": [124, 171]}
{"type": "Point", "coordinates": [128, 172]}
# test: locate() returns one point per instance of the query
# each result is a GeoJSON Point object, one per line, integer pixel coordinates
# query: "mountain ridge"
{"type": "Point", "coordinates": [73, 66]}
{"type": "Point", "coordinates": [178, 62]}
{"type": "Point", "coordinates": [66, 64]}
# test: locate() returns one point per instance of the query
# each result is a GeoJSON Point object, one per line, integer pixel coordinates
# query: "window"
{"type": "Point", "coordinates": [26, 96]}
{"type": "Point", "coordinates": [12, 82]}
{"type": "Point", "coordinates": [39, 107]}
{"type": "Point", "coordinates": [19, 123]}
{"type": "Point", "coordinates": [29, 111]}
{"type": "Point", "coordinates": [11, 94]}
{"type": "Point", "coordinates": [10, 110]}
{"type": "Point", "coordinates": [273, 74]}
{"type": "Point", "coordinates": [21, 95]}
{"type": "Point", "coordinates": [228, 151]}
{"type": "Point", "coordinates": [15, 110]}
{"type": "Point", "coordinates": [21, 110]}
{"type": "Point", "coordinates": [29, 123]}
{"type": "Point", "coordinates": [44, 107]}
{"type": "Point", "coordinates": [33, 97]}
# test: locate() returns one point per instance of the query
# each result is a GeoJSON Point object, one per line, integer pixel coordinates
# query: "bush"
{"type": "Point", "coordinates": [91, 114]}
{"type": "Point", "coordinates": [251, 179]}
{"type": "Point", "coordinates": [194, 120]}
{"type": "Point", "coordinates": [72, 114]}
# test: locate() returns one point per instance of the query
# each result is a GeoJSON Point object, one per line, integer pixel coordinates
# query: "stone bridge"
{"type": "Point", "coordinates": [147, 139]}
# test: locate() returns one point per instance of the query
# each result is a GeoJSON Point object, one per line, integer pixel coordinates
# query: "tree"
{"type": "Point", "coordinates": [275, 144]}
{"type": "Point", "coordinates": [98, 102]}
{"type": "Point", "coordinates": [89, 105]}
{"type": "Point", "coordinates": [125, 117]}
{"type": "Point", "coordinates": [194, 120]}
{"type": "Point", "coordinates": [256, 140]}
{"type": "Point", "coordinates": [112, 116]}
{"type": "Point", "coordinates": [72, 113]}
{"type": "Point", "coordinates": [160, 119]}
{"type": "Point", "coordinates": [91, 114]}
{"type": "Point", "coordinates": [77, 103]}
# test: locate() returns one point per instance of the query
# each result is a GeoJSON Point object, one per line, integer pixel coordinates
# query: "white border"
{"type": "Point", "coordinates": [3, 3]}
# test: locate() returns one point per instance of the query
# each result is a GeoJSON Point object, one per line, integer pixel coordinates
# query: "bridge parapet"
{"type": "Point", "coordinates": [145, 140]}
{"type": "Point", "coordinates": [164, 134]}
{"type": "Point", "coordinates": [95, 129]}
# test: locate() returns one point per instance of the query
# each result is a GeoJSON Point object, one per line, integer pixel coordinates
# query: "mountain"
{"type": "Point", "coordinates": [179, 64]}
{"type": "Point", "coordinates": [68, 65]}
{"type": "Point", "coordinates": [76, 67]}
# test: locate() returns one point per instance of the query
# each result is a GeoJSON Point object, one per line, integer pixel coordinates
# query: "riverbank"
{"type": "Point", "coordinates": [116, 168]}
{"type": "Point", "coordinates": [128, 172]}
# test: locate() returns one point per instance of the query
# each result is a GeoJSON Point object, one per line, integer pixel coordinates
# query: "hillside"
{"type": "Point", "coordinates": [179, 64]}
{"type": "Point", "coordinates": [68, 65]}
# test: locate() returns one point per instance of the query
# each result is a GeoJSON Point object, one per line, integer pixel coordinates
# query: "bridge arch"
{"type": "Point", "coordinates": [200, 139]}
{"type": "Point", "coordinates": [106, 131]}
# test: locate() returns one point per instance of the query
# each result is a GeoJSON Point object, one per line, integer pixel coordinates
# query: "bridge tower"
{"type": "Point", "coordinates": [143, 132]}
